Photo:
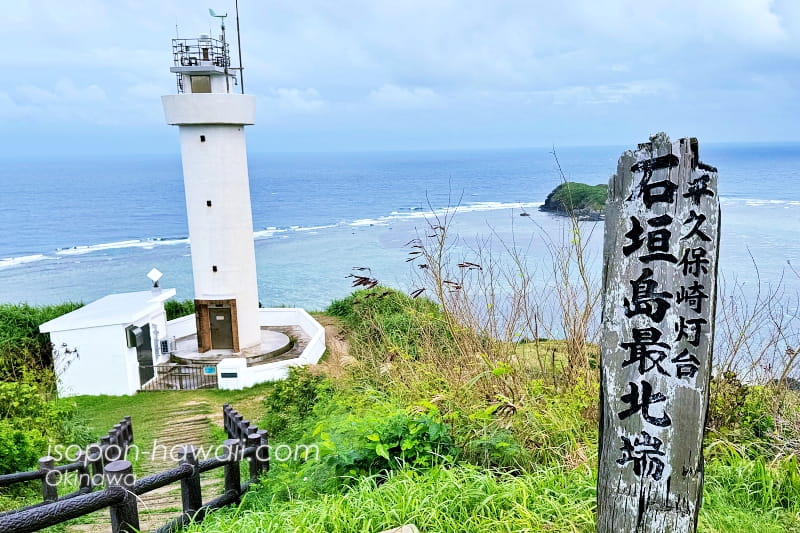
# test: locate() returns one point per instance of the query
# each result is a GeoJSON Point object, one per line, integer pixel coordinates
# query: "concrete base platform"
{"type": "Point", "coordinates": [302, 343]}
{"type": "Point", "coordinates": [273, 344]}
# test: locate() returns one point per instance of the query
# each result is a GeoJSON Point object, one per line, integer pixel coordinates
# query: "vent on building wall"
{"type": "Point", "coordinates": [135, 336]}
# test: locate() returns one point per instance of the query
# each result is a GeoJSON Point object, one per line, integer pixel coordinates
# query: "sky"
{"type": "Point", "coordinates": [85, 76]}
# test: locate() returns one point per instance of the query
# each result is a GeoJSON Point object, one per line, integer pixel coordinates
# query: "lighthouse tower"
{"type": "Point", "coordinates": [211, 119]}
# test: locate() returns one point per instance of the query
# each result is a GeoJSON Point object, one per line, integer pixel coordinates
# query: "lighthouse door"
{"type": "Point", "coordinates": [221, 328]}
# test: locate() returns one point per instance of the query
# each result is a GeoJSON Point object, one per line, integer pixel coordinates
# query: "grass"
{"type": "Point", "coordinates": [751, 496]}
{"type": "Point", "coordinates": [102, 412]}
{"type": "Point", "coordinates": [468, 498]}
{"type": "Point", "coordinates": [528, 442]}
{"type": "Point", "coordinates": [551, 431]}
{"type": "Point", "coordinates": [460, 499]}
{"type": "Point", "coordinates": [147, 410]}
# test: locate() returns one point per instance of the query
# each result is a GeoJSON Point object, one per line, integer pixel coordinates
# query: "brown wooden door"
{"type": "Point", "coordinates": [221, 328]}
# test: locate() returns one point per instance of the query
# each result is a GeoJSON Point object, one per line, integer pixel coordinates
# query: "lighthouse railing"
{"type": "Point", "coordinates": [201, 51]}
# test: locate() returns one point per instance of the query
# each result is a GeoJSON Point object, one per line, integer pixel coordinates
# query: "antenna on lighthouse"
{"type": "Point", "coordinates": [226, 59]}
{"type": "Point", "coordinates": [239, 47]}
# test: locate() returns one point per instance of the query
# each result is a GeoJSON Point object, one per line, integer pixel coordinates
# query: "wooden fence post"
{"type": "Point", "coordinates": [237, 425]}
{"type": "Point", "coordinates": [191, 492]}
{"type": "Point", "coordinates": [125, 515]}
{"type": "Point", "coordinates": [129, 429]}
{"type": "Point", "coordinates": [49, 487]}
{"type": "Point", "coordinates": [242, 430]}
{"type": "Point", "coordinates": [256, 467]}
{"type": "Point", "coordinates": [105, 442]}
{"type": "Point", "coordinates": [227, 416]}
{"type": "Point", "coordinates": [233, 477]}
{"type": "Point", "coordinates": [659, 298]}
{"type": "Point", "coordinates": [226, 412]}
{"type": "Point", "coordinates": [95, 458]}
{"type": "Point", "coordinates": [84, 476]}
{"type": "Point", "coordinates": [114, 450]}
{"type": "Point", "coordinates": [264, 435]}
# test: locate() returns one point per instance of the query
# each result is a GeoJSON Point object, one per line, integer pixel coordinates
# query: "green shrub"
{"type": "Point", "coordinates": [381, 303]}
{"type": "Point", "coordinates": [29, 419]}
{"type": "Point", "coordinates": [379, 444]}
{"type": "Point", "coordinates": [178, 308]}
{"type": "Point", "coordinates": [359, 432]}
{"type": "Point", "coordinates": [495, 448]}
{"type": "Point", "coordinates": [440, 499]}
{"type": "Point", "coordinates": [741, 413]}
{"type": "Point", "coordinates": [755, 483]}
{"type": "Point", "coordinates": [570, 196]}
{"type": "Point", "coordinates": [387, 323]}
{"type": "Point", "coordinates": [19, 448]}
{"type": "Point", "coordinates": [20, 400]}
{"type": "Point", "coordinates": [22, 347]}
{"type": "Point", "coordinates": [291, 401]}
{"type": "Point", "coordinates": [29, 423]}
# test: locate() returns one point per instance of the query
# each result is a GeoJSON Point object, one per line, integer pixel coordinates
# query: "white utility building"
{"type": "Point", "coordinates": [110, 346]}
{"type": "Point", "coordinates": [211, 118]}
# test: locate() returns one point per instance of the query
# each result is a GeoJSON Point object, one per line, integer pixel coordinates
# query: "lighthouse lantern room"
{"type": "Point", "coordinates": [211, 117]}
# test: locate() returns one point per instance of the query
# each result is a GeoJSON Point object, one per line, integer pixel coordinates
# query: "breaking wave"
{"type": "Point", "coordinates": [407, 213]}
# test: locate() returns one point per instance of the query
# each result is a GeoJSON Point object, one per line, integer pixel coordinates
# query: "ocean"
{"type": "Point", "coordinates": [79, 228]}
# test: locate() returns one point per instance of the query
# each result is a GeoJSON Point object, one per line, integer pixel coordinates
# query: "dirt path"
{"type": "Point", "coordinates": [338, 348]}
{"type": "Point", "coordinates": [190, 422]}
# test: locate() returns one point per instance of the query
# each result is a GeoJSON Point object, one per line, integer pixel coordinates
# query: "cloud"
{"type": "Point", "coordinates": [464, 64]}
{"type": "Point", "coordinates": [63, 92]}
{"type": "Point", "coordinates": [404, 98]}
{"type": "Point", "coordinates": [619, 93]}
{"type": "Point", "coordinates": [146, 90]}
{"type": "Point", "coordinates": [8, 107]}
{"type": "Point", "coordinates": [293, 100]}
{"type": "Point", "coordinates": [65, 101]}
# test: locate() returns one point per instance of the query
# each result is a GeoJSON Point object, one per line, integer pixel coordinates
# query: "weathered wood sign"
{"type": "Point", "coordinates": [659, 296]}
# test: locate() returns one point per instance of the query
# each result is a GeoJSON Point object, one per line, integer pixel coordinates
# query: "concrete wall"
{"type": "Point", "coordinates": [102, 366]}
{"type": "Point", "coordinates": [249, 376]}
{"type": "Point", "coordinates": [182, 327]}
{"type": "Point", "coordinates": [295, 316]}
{"type": "Point", "coordinates": [209, 108]}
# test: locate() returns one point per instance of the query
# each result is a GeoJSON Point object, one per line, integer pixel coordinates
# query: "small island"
{"type": "Point", "coordinates": [586, 202]}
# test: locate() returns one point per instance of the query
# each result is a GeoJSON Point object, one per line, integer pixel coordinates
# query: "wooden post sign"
{"type": "Point", "coordinates": [659, 297]}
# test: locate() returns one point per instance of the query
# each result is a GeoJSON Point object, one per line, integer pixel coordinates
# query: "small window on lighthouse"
{"type": "Point", "coordinates": [201, 84]}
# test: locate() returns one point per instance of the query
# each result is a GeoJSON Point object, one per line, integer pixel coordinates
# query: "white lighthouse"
{"type": "Point", "coordinates": [211, 119]}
